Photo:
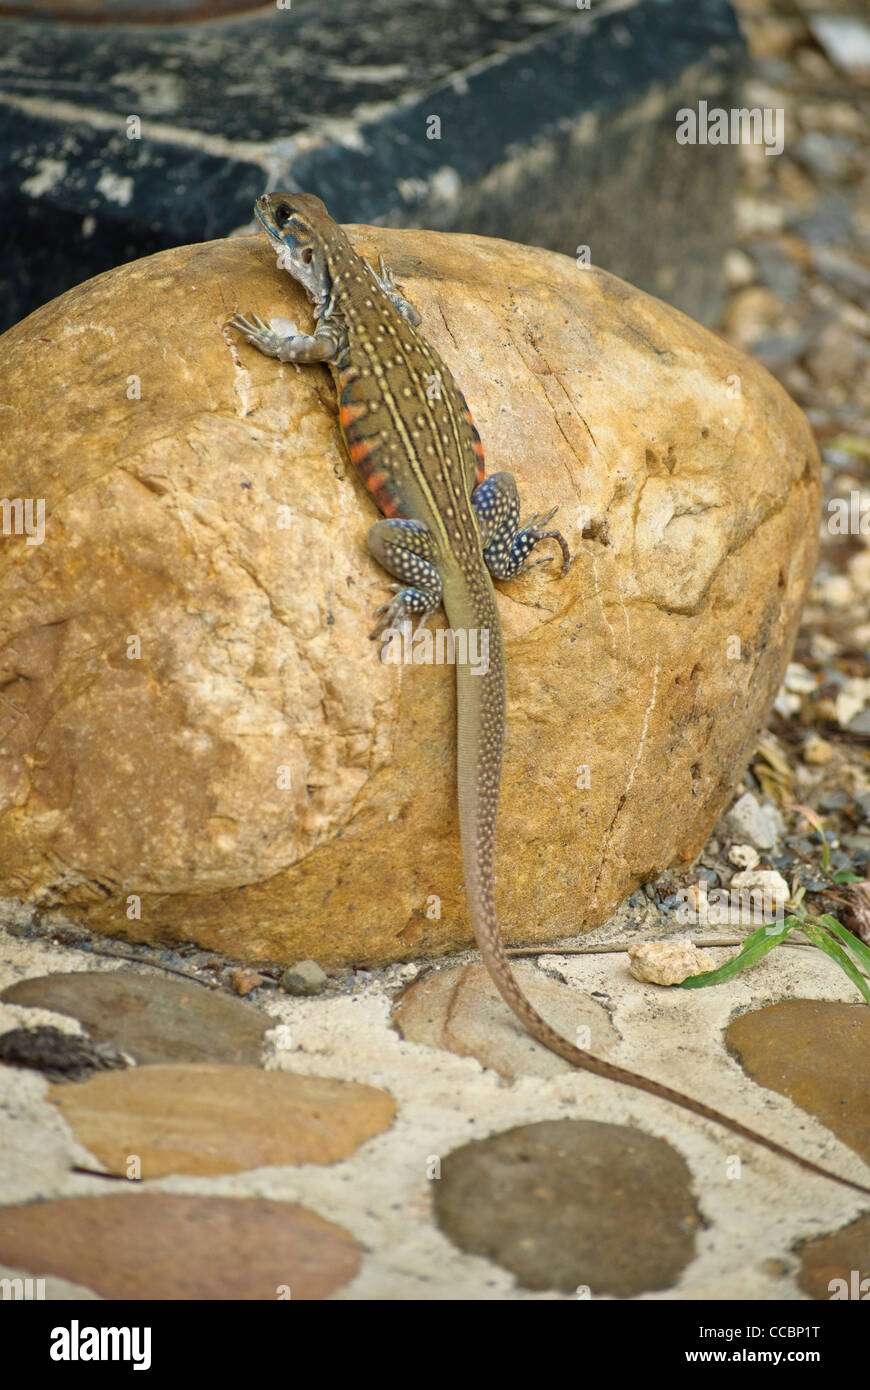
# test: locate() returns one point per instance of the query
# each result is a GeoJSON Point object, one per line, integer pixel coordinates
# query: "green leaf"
{"type": "Point", "coordinates": [836, 953]}
{"type": "Point", "coordinates": [756, 945]}
{"type": "Point", "coordinates": [849, 940]}
{"type": "Point", "coordinates": [846, 876]}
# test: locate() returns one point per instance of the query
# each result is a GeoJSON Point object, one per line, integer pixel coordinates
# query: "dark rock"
{"type": "Point", "coordinates": [568, 1203]}
{"type": "Point", "coordinates": [830, 220]}
{"type": "Point", "coordinates": [776, 271]}
{"type": "Point", "coordinates": [839, 860]}
{"type": "Point", "coordinates": [858, 846]}
{"type": "Point", "coordinates": [835, 800]}
{"type": "Point", "coordinates": [154, 1020]}
{"type": "Point", "coordinates": [305, 977]}
{"type": "Point", "coordinates": [826, 156]}
{"type": "Point", "coordinates": [779, 348]}
{"type": "Point", "coordinates": [60, 1056]}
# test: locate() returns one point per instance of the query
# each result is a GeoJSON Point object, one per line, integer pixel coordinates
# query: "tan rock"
{"type": "Point", "coordinates": [194, 725]}
{"type": "Point", "coordinates": [816, 1052]}
{"type": "Point", "coordinates": [667, 962]}
{"type": "Point", "coordinates": [206, 1120]}
{"type": "Point", "coordinates": [148, 1246]}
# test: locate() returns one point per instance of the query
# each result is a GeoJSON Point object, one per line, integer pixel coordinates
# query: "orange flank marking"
{"type": "Point", "coordinates": [360, 450]}
{"type": "Point", "coordinates": [375, 481]}
{"type": "Point", "coordinates": [480, 475]}
{"type": "Point", "coordinates": [348, 414]}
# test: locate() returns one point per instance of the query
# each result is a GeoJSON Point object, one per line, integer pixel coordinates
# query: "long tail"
{"type": "Point", "coordinates": [480, 737]}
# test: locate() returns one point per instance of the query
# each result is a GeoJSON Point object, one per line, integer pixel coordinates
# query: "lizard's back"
{"type": "Point", "coordinates": [407, 425]}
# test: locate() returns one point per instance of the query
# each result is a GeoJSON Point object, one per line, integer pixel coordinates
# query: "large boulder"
{"type": "Point", "coordinates": [194, 725]}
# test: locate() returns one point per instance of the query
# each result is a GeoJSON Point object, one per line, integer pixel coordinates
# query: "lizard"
{"type": "Point", "coordinates": [446, 530]}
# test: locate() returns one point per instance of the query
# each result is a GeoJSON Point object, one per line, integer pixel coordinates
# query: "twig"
{"type": "Point", "coordinates": [609, 946]}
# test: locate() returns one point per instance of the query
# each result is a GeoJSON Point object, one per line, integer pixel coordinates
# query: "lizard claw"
{"type": "Point", "coordinates": [384, 613]}
{"type": "Point", "coordinates": [534, 528]}
{"type": "Point", "coordinates": [397, 611]}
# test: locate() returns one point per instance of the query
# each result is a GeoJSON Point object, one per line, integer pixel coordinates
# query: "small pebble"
{"type": "Point", "coordinates": [743, 856]}
{"type": "Point", "coordinates": [667, 962]}
{"type": "Point", "coordinates": [760, 825]}
{"type": "Point", "coordinates": [816, 750]}
{"type": "Point", "coordinates": [305, 977]}
{"type": "Point", "coordinates": [244, 981]}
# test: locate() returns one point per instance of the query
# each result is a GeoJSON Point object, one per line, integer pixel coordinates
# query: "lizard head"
{"type": "Point", "coordinates": [297, 225]}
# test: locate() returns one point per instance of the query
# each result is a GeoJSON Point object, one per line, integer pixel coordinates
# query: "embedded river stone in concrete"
{"type": "Point", "coordinates": [154, 1245]}
{"type": "Point", "coordinates": [837, 1266]}
{"type": "Point", "coordinates": [571, 1203]}
{"type": "Point", "coordinates": [200, 743]}
{"type": "Point", "coordinates": [461, 1011]}
{"type": "Point", "coordinates": [216, 1119]}
{"type": "Point", "coordinates": [154, 1020]}
{"type": "Point", "coordinates": [816, 1052]}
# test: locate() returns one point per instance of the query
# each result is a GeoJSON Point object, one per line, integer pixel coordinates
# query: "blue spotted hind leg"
{"type": "Point", "coordinates": [507, 545]}
{"type": "Point", "coordinates": [405, 549]}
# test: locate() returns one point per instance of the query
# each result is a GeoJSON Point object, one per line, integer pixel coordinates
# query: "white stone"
{"type": "Point", "coordinates": [743, 856]}
{"type": "Point", "coordinates": [762, 826]}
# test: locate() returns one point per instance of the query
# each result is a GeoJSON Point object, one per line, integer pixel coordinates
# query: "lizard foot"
{"type": "Point", "coordinates": [506, 544]}
{"type": "Point", "coordinates": [405, 605]}
{"type": "Point", "coordinates": [283, 340]}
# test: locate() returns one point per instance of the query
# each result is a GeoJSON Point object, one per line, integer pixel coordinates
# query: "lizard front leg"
{"type": "Point", "coordinates": [283, 340]}
{"type": "Point", "coordinates": [406, 549]}
{"type": "Point", "coordinates": [506, 544]}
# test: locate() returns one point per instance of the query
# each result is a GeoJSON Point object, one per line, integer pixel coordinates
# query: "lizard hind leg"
{"type": "Point", "coordinates": [405, 549]}
{"type": "Point", "coordinates": [507, 545]}
{"type": "Point", "coordinates": [386, 283]}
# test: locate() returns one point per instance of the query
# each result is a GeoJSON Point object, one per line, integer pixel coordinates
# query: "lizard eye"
{"type": "Point", "coordinates": [307, 255]}
{"type": "Point", "coordinates": [283, 213]}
